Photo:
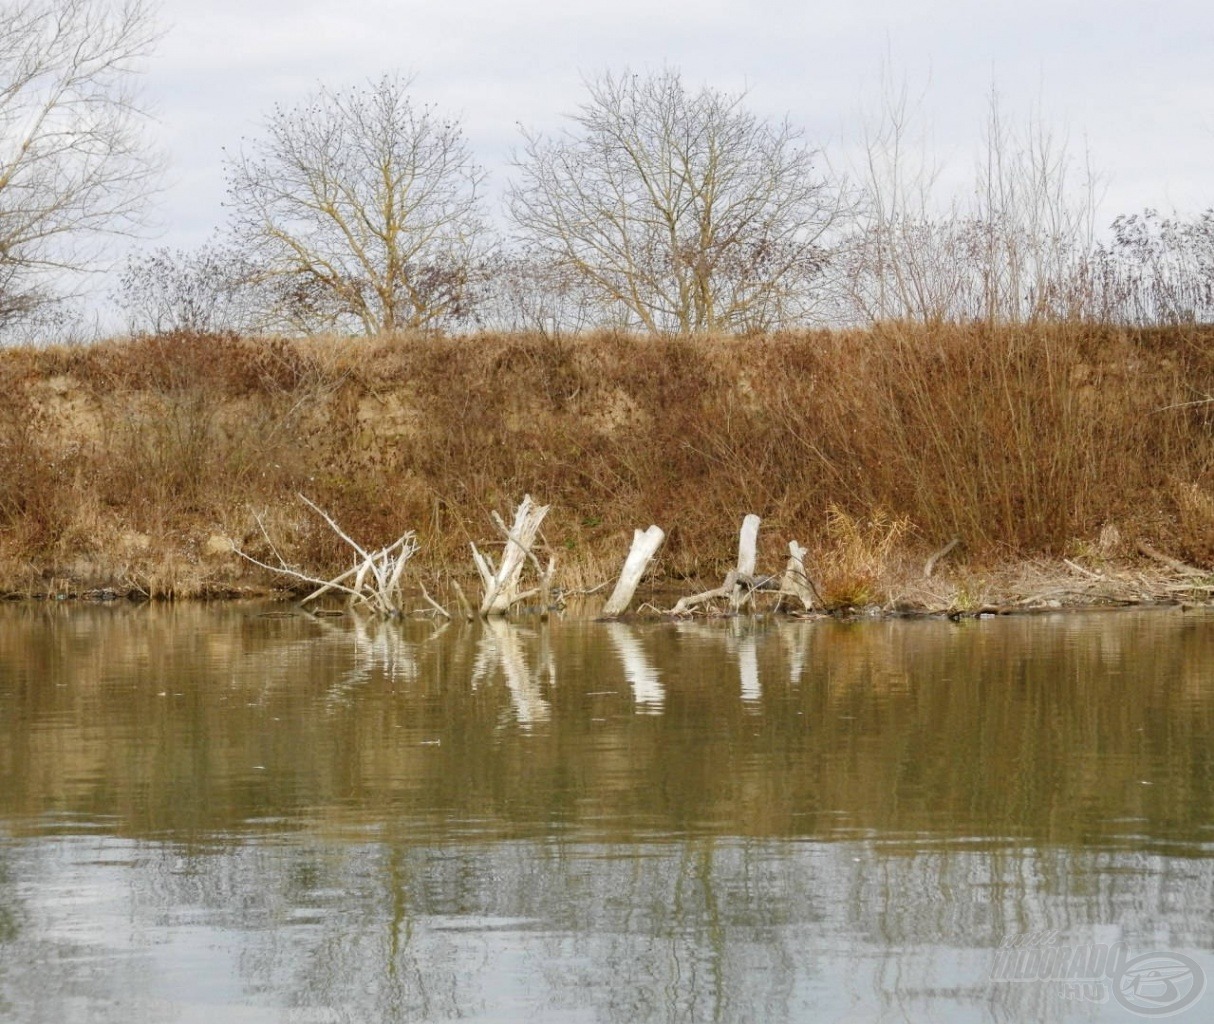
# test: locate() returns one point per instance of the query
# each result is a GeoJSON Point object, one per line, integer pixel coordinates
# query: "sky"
{"type": "Point", "coordinates": [1129, 84]}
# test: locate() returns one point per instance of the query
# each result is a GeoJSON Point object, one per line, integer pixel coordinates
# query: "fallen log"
{"type": "Point", "coordinates": [1171, 563]}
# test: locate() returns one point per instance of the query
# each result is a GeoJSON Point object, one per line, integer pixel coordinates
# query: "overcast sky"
{"type": "Point", "coordinates": [1132, 82]}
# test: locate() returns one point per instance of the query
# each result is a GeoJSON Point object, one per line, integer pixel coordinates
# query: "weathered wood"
{"type": "Point", "coordinates": [645, 544]}
{"type": "Point", "coordinates": [796, 582]}
{"type": "Point", "coordinates": [685, 604]}
{"type": "Point", "coordinates": [377, 574]}
{"type": "Point", "coordinates": [741, 582]}
{"type": "Point", "coordinates": [748, 545]}
{"type": "Point", "coordinates": [1171, 563]}
{"type": "Point", "coordinates": [501, 583]}
{"type": "Point", "coordinates": [929, 566]}
{"type": "Point", "coordinates": [748, 553]}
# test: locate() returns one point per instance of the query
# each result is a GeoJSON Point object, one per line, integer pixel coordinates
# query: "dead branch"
{"type": "Point", "coordinates": [930, 565]}
{"type": "Point", "coordinates": [377, 574]}
{"type": "Point", "coordinates": [501, 583]}
{"type": "Point", "coordinates": [1171, 563]}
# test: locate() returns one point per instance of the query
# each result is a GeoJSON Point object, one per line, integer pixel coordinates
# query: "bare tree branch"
{"type": "Point", "coordinates": [75, 167]}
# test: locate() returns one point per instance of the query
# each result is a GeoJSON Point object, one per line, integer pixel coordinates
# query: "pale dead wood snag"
{"type": "Point", "coordinates": [501, 583]}
{"type": "Point", "coordinates": [374, 581]}
{"type": "Point", "coordinates": [645, 544]}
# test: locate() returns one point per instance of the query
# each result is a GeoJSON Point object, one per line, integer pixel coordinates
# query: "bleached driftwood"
{"type": "Point", "coordinates": [376, 574]}
{"type": "Point", "coordinates": [740, 583]}
{"type": "Point", "coordinates": [501, 583]}
{"type": "Point", "coordinates": [645, 544]}
{"type": "Point", "coordinates": [726, 589]}
{"type": "Point", "coordinates": [796, 582]}
{"type": "Point", "coordinates": [929, 566]}
{"type": "Point", "coordinates": [748, 545]}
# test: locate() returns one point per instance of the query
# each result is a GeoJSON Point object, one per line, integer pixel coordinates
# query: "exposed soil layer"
{"type": "Point", "coordinates": [1053, 453]}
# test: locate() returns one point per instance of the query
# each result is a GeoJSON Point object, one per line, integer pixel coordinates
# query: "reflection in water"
{"type": "Point", "coordinates": [645, 680]}
{"type": "Point", "coordinates": [501, 647]}
{"type": "Point", "coordinates": [747, 650]}
{"type": "Point", "coordinates": [218, 814]}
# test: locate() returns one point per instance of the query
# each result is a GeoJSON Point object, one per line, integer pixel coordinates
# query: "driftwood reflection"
{"type": "Point", "coordinates": [501, 647]}
{"type": "Point", "coordinates": [740, 639]}
{"type": "Point", "coordinates": [648, 693]}
{"type": "Point", "coordinates": [794, 640]}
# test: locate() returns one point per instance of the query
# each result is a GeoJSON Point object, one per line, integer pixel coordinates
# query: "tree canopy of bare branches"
{"type": "Point", "coordinates": [682, 208]}
{"type": "Point", "coordinates": [362, 208]}
{"type": "Point", "coordinates": [75, 166]}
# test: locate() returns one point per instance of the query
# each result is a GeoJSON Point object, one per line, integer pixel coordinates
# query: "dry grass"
{"type": "Point", "coordinates": [874, 447]}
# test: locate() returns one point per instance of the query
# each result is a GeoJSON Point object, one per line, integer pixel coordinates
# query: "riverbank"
{"type": "Point", "coordinates": [1055, 455]}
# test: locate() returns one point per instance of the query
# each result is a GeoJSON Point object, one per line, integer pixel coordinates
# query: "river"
{"type": "Point", "coordinates": [246, 813]}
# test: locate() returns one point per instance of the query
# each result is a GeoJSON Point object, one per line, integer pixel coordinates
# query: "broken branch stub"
{"type": "Point", "coordinates": [748, 554]}
{"type": "Point", "coordinates": [748, 545]}
{"type": "Point", "coordinates": [501, 583]}
{"type": "Point", "coordinates": [796, 582]}
{"type": "Point", "coordinates": [645, 544]}
{"type": "Point", "coordinates": [740, 583]}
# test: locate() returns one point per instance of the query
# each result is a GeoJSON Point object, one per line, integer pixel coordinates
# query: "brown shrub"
{"type": "Point", "coordinates": [1020, 441]}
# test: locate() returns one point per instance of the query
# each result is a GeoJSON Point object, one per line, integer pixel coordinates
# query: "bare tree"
{"type": "Point", "coordinates": [74, 164]}
{"type": "Point", "coordinates": [683, 208]}
{"type": "Point", "coordinates": [363, 209]}
{"type": "Point", "coordinates": [529, 291]}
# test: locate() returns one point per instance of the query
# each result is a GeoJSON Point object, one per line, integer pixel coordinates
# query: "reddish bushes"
{"type": "Point", "coordinates": [1021, 441]}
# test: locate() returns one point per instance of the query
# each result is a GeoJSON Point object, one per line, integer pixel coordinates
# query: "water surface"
{"type": "Point", "coordinates": [250, 814]}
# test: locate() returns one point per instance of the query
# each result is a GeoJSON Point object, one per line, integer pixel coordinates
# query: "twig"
{"type": "Point", "coordinates": [592, 590]}
{"type": "Point", "coordinates": [1085, 572]}
{"type": "Point", "coordinates": [433, 603]}
{"type": "Point", "coordinates": [286, 571]}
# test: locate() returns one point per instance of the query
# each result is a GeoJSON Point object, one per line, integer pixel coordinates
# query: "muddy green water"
{"type": "Point", "coordinates": [235, 814]}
